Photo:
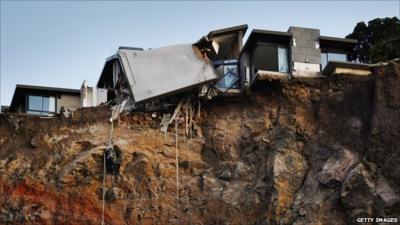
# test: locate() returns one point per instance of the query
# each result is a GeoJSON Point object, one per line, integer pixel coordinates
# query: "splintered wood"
{"type": "Point", "coordinates": [184, 112]}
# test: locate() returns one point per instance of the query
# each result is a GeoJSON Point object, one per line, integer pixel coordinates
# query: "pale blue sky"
{"type": "Point", "coordinates": [63, 43]}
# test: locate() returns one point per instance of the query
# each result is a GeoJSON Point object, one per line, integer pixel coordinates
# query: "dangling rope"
{"type": "Point", "coordinates": [177, 168]}
{"type": "Point", "coordinates": [104, 166]}
{"type": "Point", "coordinates": [104, 185]}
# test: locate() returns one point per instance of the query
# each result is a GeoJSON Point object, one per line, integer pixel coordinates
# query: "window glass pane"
{"type": "Point", "coordinates": [49, 104]}
{"type": "Point", "coordinates": [337, 57]}
{"type": "Point", "coordinates": [34, 102]}
{"type": "Point", "coordinates": [230, 78]}
{"type": "Point", "coordinates": [324, 60]}
{"type": "Point", "coordinates": [283, 59]}
{"type": "Point", "coordinates": [41, 105]}
{"type": "Point", "coordinates": [52, 104]}
{"type": "Point", "coordinates": [45, 103]}
{"type": "Point", "coordinates": [265, 57]}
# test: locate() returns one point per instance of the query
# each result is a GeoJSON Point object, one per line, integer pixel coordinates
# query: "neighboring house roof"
{"type": "Point", "coordinates": [53, 89]}
{"type": "Point", "coordinates": [332, 65]}
{"type": "Point", "coordinates": [265, 35]}
{"type": "Point", "coordinates": [160, 71]}
{"type": "Point", "coordinates": [21, 89]}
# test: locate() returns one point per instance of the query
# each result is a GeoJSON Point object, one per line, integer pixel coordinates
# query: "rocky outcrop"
{"type": "Point", "coordinates": [303, 151]}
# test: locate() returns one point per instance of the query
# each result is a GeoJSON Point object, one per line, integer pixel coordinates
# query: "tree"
{"type": "Point", "coordinates": [378, 41]}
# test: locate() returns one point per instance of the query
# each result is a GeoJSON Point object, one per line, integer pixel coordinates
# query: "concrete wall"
{"type": "Point", "coordinates": [68, 101]}
{"type": "Point", "coordinates": [305, 51]}
{"type": "Point", "coordinates": [304, 45]}
{"type": "Point", "coordinates": [92, 96]}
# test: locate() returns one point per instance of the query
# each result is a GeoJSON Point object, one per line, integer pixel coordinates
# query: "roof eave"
{"type": "Point", "coordinates": [228, 30]}
{"type": "Point", "coordinates": [44, 88]}
{"type": "Point", "coordinates": [269, 33]}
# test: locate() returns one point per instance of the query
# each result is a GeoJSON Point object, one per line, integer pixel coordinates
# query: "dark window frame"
{"type": "Point", "coordinates": [276, 46]}
{"type": "Point", "coordinates": [326, 51]}
{"type": "Point", "coordinates": [42, 112]}
{"type": "Point", "coordinates": [236, 84]}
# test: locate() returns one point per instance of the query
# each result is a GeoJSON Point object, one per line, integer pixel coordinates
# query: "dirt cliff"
{"type": "Point", "coordinates": [302, 151]}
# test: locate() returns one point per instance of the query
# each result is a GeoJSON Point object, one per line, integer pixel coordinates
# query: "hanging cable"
{"type": "Point", "coordinates": [104, 185]}
{"type": "Point", "coordinates": [177, 168]}
{"type": "Point", "coordinates": [104, 164]}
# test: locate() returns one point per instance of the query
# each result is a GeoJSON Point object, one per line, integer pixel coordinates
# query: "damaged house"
{"type": "Point", "coordinates": [149, 76]}
{"type": "Point", "coordinates": [223, 47]}
{"type": "Point", "coordinates": [136, 75]}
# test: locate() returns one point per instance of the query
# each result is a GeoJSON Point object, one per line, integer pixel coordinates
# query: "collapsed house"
{"type": "Point", "coordinates": [150, 76]}
{"type": "Point", "coordinates": [136, 76]}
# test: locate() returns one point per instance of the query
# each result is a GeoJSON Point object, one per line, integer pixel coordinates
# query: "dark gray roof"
{"type": "Point", "coordinates": [266, 35]}
{"type": "Point", "coordinates": [44, 88]}
{"type": "Point", "coordinates": [335, 42]}
{"type": "Point", "coordinates": [346, 40]}
{"type": "Point", "coordinates": [228, 30]}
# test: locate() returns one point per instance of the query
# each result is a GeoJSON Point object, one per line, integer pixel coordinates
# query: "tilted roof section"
{"type": "Point", "coordinates": [161, 71]}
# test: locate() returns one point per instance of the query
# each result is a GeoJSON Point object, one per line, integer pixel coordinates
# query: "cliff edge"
{"type": "Point", "coordinates": [301, 151]}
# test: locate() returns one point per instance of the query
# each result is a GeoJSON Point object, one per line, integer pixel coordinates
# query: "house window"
{"type": "Point", "coordinates": [331, 56]}
{"type": "Point", "coordinates": [283, 59]}
{"type": "Point", "coordinates": [230, 77]}
{"type": "Point", "coordinates": [271, 57]}
{"type": "Point", "coordinates": [41, 105]}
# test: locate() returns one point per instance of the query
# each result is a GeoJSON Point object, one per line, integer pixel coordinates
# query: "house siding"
{"type": "Point", "coordinates": [68, 101]}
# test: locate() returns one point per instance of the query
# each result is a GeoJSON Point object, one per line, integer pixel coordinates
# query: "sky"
{"type": "Point", "coordinates": [62, 43]}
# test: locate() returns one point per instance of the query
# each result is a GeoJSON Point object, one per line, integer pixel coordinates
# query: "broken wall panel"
{"type": "Point", "coordinates": [224, 43]}
{"type": "Point", "coordinates": [157, 72]}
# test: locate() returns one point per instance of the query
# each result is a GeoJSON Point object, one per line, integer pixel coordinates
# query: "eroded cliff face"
{"type": "Point", "coordinates": [312, 151]}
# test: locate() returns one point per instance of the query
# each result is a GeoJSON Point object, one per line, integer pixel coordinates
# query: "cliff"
{"type": "Point", "coordinates": [302, 151]}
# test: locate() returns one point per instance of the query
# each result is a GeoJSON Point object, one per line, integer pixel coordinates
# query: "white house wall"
{"type": "Point", "coordinates": [156, 72]}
